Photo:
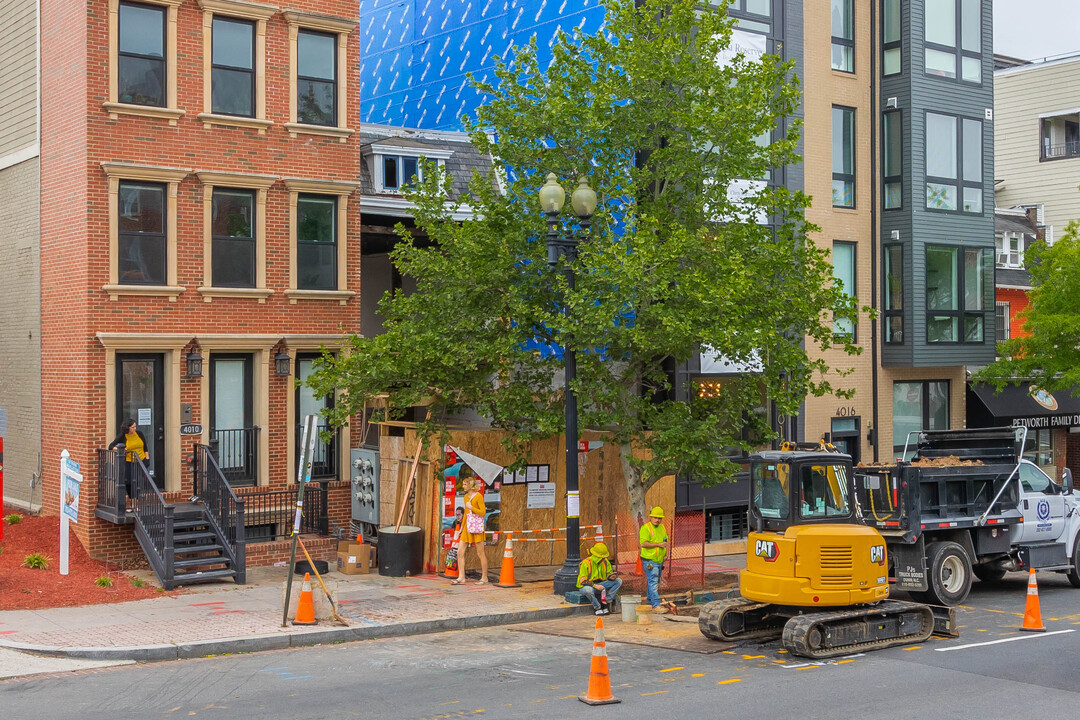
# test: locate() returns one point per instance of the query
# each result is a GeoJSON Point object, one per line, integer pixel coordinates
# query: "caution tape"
{"type": "Point", "coordinates": [540, 530]}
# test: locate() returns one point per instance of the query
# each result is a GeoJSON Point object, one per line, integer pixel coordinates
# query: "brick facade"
{"type": "Point", "coordinates": [87, 323]}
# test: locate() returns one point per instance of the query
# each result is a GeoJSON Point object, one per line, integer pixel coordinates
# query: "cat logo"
{"type": "Point", "coordinates": [767, 549]}
{"type": "Point", "coordinates": [877, 554]}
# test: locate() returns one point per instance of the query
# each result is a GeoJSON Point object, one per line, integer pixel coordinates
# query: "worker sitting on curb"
{"type": "Point", "coordinates": [653, 539]}
{"type": "Point", "coordinates": [597, 580]}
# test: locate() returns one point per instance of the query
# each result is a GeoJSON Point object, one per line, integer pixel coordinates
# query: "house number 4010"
{"type": "Point", "coordinates": [845, 411]}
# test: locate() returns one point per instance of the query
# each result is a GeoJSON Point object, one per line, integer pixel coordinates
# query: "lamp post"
{"type": "Point", "coordinates": [583, 200]}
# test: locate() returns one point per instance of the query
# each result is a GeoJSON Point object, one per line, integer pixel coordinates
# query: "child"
{"type": "Point", "coordinates": [451, 556]}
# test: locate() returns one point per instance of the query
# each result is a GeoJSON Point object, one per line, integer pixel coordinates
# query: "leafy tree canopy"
{"type": "Point", "coordinates": [683, 252]}
{"type": "Point", "coordinates": [1050, 355]}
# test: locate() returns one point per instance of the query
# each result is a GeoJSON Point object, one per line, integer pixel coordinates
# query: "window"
{"type": "Point", "coordinates": [142, 249]}
{"type": "Point", "coordinates": [843, 257]}
{"type": "Point", "coordinates": [399, 171]}
{"type": "Point", "coordinates": [918, 406]}
{"type": "Point", "coordinates": [955, 294]}
{"type": "Point", "coordinates": [954, 164]}
{"type": "Point", "coordinates": [890, 33]}
{"type": "Point", "coordinates": [892, 160]}
{"type": "Point", "coordinates": [1059, 136]}
{"type": "Point", "coordinates": [318, 95]}
{"type": "Point", "coordinates": [316, 240]}
{"type": "Point", "coordinates": [1001, 321]}
{"type": "Point", "coordinates": [749, 14]}
{"type": "Point", "coordinates": [842, 15]}
{"type": "Point", "coordinates": [823, 491]}
{"type": "Point", "coordinates": [318, 259]}
{"type": "Point", "coordinates": [142, 59]}
{"type": "Point", "coordinates": [233, 237]}
{"type": "Point", "coordinates": [1039, 449]}
{"type": "Point", "coordinates": [953, 31]}
{"type": "Point", "coordinates": [893, 289]}
{"type": "Point", "coordinates": [843, 152]}
{"type": "Point", "coordinates": [142, 230]}
{"type": "Point", "coordinates": [316, 78]}
{"type": "Point", "coordinates": [233, 67]}
{"type": "Point", "coordinates": [141, 55]}
{"type": "Point", "coordinates": [1010, 250]}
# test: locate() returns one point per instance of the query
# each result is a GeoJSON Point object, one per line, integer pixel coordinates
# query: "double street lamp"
{"type": "Point", "coordinates": [583, 201]}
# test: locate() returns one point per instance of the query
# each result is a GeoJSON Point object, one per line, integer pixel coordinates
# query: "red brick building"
{"type": "Point", "coordinates": [198, 166]}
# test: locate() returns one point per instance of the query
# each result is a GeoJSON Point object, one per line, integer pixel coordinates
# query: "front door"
{"type": "Point", "coordinates": [324, 462]}
{"type": "Point", "coordinates": [230, 416]}
{"type": "Point", "coordinates": [140, 388]}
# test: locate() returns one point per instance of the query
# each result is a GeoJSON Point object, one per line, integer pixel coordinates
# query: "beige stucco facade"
{"type": "Point", "coordinates": [1023, 96]}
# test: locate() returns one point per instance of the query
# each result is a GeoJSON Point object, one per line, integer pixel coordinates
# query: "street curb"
{"type": "Point", "coordinates": [260, 643]}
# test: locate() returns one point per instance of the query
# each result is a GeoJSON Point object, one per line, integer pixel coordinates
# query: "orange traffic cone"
{"type": "Point", "coordinates": [1032, 615]}
{"type": "Point", "coordinates": [639, 570]}
{"type": "Point", "coordinates": [305, 608]}
{"type": "Point", "coordinates": [599, 532]}
{"type": "Point", "coordinates": [599, 692]}
{"type": "Point", "coordinates": [506, 574]}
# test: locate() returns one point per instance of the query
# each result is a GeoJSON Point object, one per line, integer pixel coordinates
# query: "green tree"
{"type": "Point", "coordinates": [1050, 353]}
{"type": "Point", "coordinates": [675, 259]}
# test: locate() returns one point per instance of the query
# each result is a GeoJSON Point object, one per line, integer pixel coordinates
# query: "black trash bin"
{"type": "Point", "coordinates": [401, 551]}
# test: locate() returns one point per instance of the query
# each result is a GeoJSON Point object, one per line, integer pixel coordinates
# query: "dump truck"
{"type": "Point", "coordinates": [966, 504]}
{"type": "Point", "coordinates": [816, 575]}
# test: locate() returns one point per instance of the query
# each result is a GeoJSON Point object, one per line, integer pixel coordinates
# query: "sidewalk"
{"type": "Point", "coordinates": [224, 618]}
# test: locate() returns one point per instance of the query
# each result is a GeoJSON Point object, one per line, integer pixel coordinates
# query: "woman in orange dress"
{"type": "Point", "coordinates": [474, 506]}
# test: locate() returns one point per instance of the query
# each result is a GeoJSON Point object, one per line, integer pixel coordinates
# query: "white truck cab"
{"type": "Point", "coordinates": [1048, 536]}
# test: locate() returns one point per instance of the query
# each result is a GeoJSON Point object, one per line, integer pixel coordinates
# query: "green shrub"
{"type": "Point", "coordinates": [136, 582]}
{"type": "Point", "coordinates": [36, 561]}
{"type": "Point", "coordinates": [14, 519]}
{"type": "Point", "coordinates": [104, 581]}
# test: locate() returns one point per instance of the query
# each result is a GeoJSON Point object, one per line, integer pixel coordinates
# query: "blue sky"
{"type": "Point", "coordinates": [1034, 29]}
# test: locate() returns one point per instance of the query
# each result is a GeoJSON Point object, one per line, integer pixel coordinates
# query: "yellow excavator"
{"type": "Point", "coordinates": [815, 575]}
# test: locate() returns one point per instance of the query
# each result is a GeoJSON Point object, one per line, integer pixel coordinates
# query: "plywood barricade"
{"type": "Point", "coordinates": [601, 484]}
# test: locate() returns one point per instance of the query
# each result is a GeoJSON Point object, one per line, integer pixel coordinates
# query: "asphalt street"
{"type": "Point", "coordinates": [991, 671]}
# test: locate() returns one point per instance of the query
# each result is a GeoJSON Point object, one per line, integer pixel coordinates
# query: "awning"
{"type": "Point", "coordinates": [1021, 405]}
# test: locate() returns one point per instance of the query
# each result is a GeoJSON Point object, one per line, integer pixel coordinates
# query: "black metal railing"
{"type": "Point", "coordinates": [222, 505]}
{"type": "Point", "coordinates": [111, 495]}
{"type": "Point", "coordinates": [238, 454]}
{"type": "Point", "coordinates": [153, 521]}
{"type": "Point", "coordinates": [1061, 150]}
{"type": "Point", "coordinates": [276, 511]}
{"type": "Point", "coordinates": [324, 462]}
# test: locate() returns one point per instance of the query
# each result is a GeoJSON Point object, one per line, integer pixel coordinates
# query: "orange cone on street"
{"type": "Point", "coordinates": [1032, 615]}
{"type": "Point", "coordinates": [599, 692]}
{"type": "Point", "coordinates": [305, 608]}
{"type": "Point", "coordinates": [506, 574]}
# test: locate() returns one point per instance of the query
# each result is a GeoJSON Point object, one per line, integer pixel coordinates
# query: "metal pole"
{"type": "Point", "coordinates": [307, 451]}
{"type": "Point", "coordinates": [566, 576]}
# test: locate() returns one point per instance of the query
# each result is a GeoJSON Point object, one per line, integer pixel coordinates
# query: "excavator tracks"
{"type": "Point", "coordinates": [819, 633]}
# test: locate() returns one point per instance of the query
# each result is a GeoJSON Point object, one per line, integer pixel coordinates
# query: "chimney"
{"type": "Point", "coordinates": [1032, 217]}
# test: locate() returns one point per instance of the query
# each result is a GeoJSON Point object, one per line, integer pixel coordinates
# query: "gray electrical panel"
{"type": "Point", "coordinates": [364, 472]}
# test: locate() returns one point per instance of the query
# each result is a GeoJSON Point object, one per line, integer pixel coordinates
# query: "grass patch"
{"type": "Point", "coordinates": [137, 582]}
{"type": "Point", "coordinates": [14, 519]}
{"type": "Point", "coordinates": [104, 581]}
{"type": "Point", "coordinates": [37, 561]}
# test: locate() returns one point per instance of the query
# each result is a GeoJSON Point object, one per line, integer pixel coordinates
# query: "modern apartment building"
{"type": "Point", "coordinates": [1037, 139]}
{"type": "Point", "coordinates": [198, 244]}
{"type": "Point", "coordinates": [898, 155]}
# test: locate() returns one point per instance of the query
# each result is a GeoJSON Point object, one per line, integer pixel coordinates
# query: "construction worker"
{"type": "Point", "coordinates": [597, 580]}
{"type": "Point", "coordinates": [653, 539]}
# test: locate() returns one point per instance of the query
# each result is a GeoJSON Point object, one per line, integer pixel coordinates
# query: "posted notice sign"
{"type": "Point", "coordinates": [541, 496]}
{"type": "Point", "coordinates": [70, 482]}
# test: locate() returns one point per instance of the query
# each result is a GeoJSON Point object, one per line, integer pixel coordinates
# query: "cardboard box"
{"type": "Point", "coordinates": [353, 564]}
{"type": "Point", "coordinates": [350, 546]}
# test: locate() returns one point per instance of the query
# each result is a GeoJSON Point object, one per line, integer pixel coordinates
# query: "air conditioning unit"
{"type": "Point", "coordinates": [891, 103]}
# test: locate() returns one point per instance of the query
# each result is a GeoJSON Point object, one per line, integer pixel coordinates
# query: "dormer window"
{"type": "Point", "coordinates": [400, 171]}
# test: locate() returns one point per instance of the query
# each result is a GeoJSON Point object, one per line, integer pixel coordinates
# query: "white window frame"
{"type": "Point", "coordinates": [1004, 255]}
{"type": "Point", "coordinates": [381, 151]}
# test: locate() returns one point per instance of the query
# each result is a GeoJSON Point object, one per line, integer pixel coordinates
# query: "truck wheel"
{"type": "Point", "coordinates": [1074, 572]}
{"type": "Point", "coordinates": [949, 573]}
{"type": "Point", "coordinates": [988, 573]}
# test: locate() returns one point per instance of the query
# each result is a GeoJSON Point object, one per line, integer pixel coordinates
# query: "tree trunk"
{"type": "Point", "coordinates": [635, 485]}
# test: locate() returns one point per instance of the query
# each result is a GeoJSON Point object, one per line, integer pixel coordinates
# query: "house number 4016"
{"type": "Point", "coordinates": [845, 411]}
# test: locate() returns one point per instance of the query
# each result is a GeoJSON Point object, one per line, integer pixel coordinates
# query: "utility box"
{"type": "Point", "coordinates": [364, 473]}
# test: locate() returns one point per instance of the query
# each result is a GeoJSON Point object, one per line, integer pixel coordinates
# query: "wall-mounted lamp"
{"type": "Point", "coordinates": [281, 364]}
{"type": "Point", "coordinates": [194, 364]}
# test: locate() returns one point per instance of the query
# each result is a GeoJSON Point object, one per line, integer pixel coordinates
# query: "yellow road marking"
{"type": "Point", "coordinates": [1002, 612]}
{"type": "Point", "coordinates": [728, 682]}
{"type": "Point", "coordinates": [841, 662]}
{"type": "Point", "coordinates": [728, 652]}
{"type": "Point", "coordinates": [780, 662]}
{"type": "Point", "coordinates": [981, 630]}
{"type": "Point", "coordinates": [450, 702]}
{"type": "Point", "coordinates": [698, 675]}
{"type": "Point", "coordinates": [655, 692]}
{"type": "Point", "coordinates": [672, 668]}
{"type": "Point", "coordinates": [808, 667]}
{"type": "Point", "coordinates": [913, 647]}
{"type": "Point", "coordinates": [566, 697]}
{"type": "Point", "coordinates": [781, 651]}
{"type": "Point", "coordinates": [752, 657]}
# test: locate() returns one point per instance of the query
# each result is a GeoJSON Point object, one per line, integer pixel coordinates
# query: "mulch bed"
{"type": "Point", "coordinates": [26, 589]}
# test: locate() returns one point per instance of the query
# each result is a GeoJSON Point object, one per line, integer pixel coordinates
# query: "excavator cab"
{"type": "Point", "coordinates": [809, 548]}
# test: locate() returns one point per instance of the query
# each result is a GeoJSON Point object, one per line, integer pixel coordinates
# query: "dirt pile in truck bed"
{"type": "Point", "coordinates": [947, 461]}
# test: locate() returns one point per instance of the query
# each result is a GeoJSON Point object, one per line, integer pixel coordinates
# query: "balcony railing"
{"type": "Point", "coordinates": [1061, 150]}
{"type": "Point", "coordinates": [274, 512]}
{"type": "Point", "coordinates": [238, 455]}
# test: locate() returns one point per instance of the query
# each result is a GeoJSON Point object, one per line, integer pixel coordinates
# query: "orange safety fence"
{"type": "Point", "coordinates": [685, 566]}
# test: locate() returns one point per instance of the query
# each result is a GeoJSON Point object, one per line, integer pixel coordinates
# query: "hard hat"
{"type": "Point", "coordinates": [657, 512]}
{"type": "Point", "coordinates": [599, 551]}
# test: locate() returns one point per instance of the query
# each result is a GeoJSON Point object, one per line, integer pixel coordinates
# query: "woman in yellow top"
{"type": "Point", "coordinates": [474, 507]}
{"type": "Point", "coordinates": [134, 442]}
